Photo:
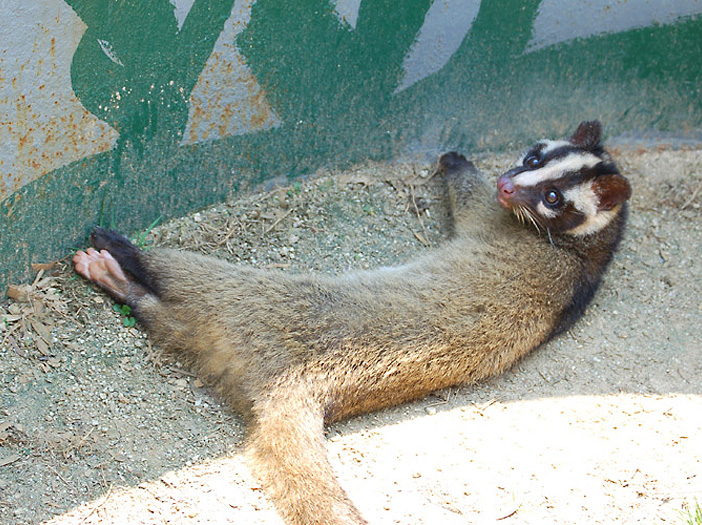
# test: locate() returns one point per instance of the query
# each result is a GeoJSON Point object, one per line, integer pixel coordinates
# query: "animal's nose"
{"type": "Point", "coordinates": [505, 186]}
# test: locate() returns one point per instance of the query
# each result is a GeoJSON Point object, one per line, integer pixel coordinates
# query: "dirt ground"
{"type": "Point", "coordinates": [602, 425]}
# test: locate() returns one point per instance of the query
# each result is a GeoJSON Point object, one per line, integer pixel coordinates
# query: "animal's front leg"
{"type": "Point", "coordinates": [466, 191]}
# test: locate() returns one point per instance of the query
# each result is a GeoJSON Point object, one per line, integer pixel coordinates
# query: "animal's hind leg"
{"type": "Point", "coordinates": [114, 264]}
{"type": "Point", "coordinates": [126, 254]}
{"type": "Point", "coordinates": [102, 269]}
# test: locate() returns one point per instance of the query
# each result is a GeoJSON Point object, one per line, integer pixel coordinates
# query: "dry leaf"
{"type": "Point", "coordinates": [45, 267]}
{"type": "Point", "coordinates": [9, 460]}
{"type": "Point", "coordinates": [420, 238]}
{"type": "Point", "coordinates": [43, 347]}
{"type": "Point", "coordinates": [37, 306]}
{"type": "Point", "coordinates": [19, 351]}
{"type": "Point", "coordinates": [19, 293]}
{"type": "Point", "coordinates": [41, 330]}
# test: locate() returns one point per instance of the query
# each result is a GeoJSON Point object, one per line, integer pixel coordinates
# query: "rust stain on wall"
{"type": "Point", "coordinates": [43, 126]}
{"type": "Point", "coordinates": [227, 99]}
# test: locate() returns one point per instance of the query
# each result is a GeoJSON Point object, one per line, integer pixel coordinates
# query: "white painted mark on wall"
{"type": "Point", "coordinates": [584, 18]}
{"type": "Point", "coordinates": [446, 24]}
{"type": "Point", "coordinates": [347, 11]}
{"type": "Point", "coordinates": [109, 51]}
{"type": "Point", "coordinates": [227, 100]}
{"type": "Point", "coordinates": [182, 8]}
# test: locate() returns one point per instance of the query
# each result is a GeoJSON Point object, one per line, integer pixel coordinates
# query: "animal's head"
{"type": "Point", "coordinates": [566, 186]}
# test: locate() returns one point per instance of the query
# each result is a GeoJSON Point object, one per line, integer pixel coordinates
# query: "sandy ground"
{"type": "Point", "coordinates": [602, 425]}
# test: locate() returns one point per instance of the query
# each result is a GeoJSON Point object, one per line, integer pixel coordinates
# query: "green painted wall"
{"type": "Point", "coordinates": [181, 104]}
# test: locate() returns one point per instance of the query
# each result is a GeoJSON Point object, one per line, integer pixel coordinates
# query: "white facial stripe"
{"type": "Point", "coordinates": [586, 200]}
{"type": "Point", "coordinates": [583, 198]}
{"type": "Point", "coordinates": [596, 223]}
{"type": "Point", "coordinates": [546, 213]}
{"type": "Point", "coordinates": [555, 169]}
{"type": "Point", "coordinates": [552, 145]}
{"type": "Point", "coordinates": [547, 146]}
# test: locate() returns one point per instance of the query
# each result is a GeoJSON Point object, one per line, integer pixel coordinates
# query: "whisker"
{"type": "Point", "coordinates": [532, 219]}
{"type": "Point", "coordinates": [525, 215]}
{"type": "Point", "coordinates": [550, 239]}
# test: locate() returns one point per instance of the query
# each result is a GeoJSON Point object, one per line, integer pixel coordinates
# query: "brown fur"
{"type": "Point", "coordinates": [292, 352]}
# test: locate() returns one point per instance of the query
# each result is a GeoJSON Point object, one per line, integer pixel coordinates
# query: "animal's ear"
{"type": "Point", "coordinates": [612, 190]}
{"type": "Point", "coordinates": [588, 135]}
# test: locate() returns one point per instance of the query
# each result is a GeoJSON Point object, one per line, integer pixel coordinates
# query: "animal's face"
{"type": "Point", "coordinates": [566, 186]}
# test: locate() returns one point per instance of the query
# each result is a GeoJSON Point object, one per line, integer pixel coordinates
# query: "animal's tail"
{"type": "Point", "coordinates": [286, 451]}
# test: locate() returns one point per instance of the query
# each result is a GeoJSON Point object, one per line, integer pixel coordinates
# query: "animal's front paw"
{"type": "Point", "coordinates": [464, 183]}
{"type": "Point", "coordinates": [456, 169]}
{"type": "Point", "coordinates": [453, 161]}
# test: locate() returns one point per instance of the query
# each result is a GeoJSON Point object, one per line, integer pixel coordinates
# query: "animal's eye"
{"type": "Point", "coordinates": [552, 197]}
{"type": "Point", "coordinates": [532, 161]}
